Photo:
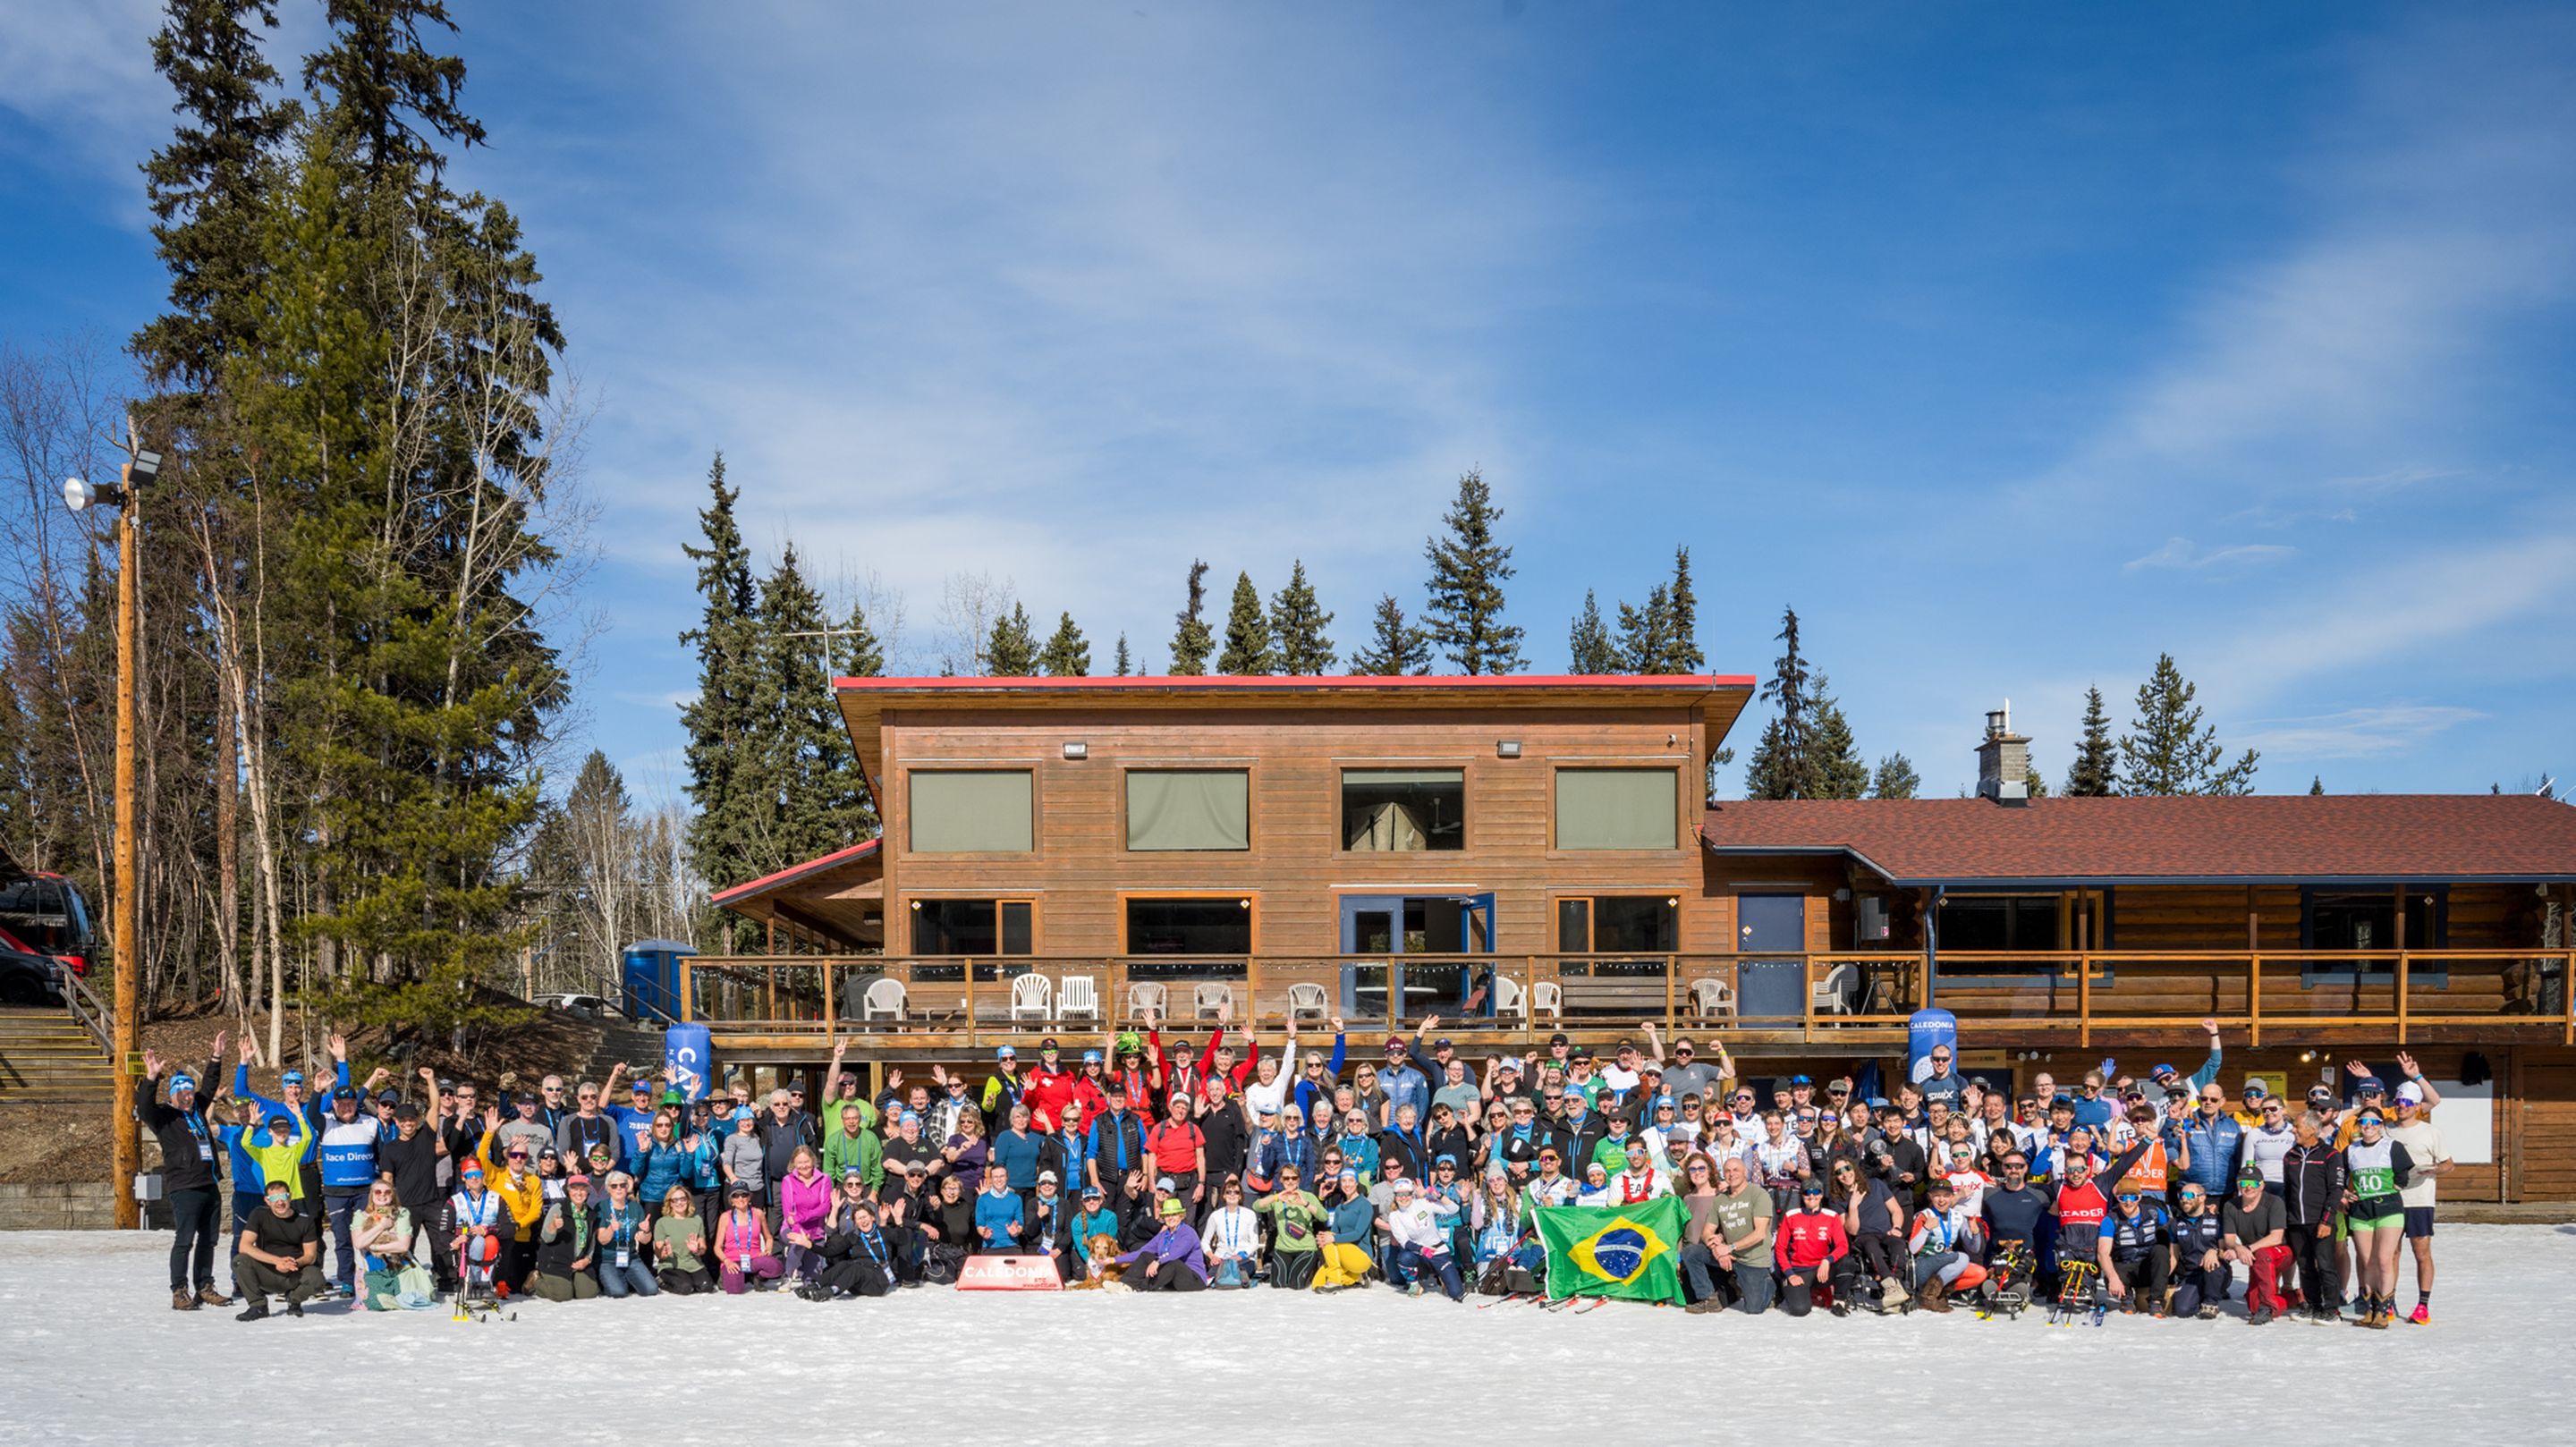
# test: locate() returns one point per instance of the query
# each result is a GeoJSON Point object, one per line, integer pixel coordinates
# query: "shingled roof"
{"type": "Point", "coordinates": [2294, 838]}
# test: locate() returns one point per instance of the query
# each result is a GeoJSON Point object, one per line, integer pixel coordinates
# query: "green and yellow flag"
{"type": "Point", "coordinates": [1629, 1251]}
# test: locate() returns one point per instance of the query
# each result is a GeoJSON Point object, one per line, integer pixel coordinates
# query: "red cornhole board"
{"type": "Point", "coordinates": [1009, 1273]}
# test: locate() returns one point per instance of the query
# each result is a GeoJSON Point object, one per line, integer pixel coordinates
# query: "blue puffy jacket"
{"type": "Point", "coordinates": [2213, 1143]}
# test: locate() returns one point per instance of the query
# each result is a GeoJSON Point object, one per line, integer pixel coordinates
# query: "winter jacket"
{"type": "Point", "coordinates": [996, 1214]}
{"type": "Point", "coordinates": [803, 1202]}
{"type": "Point", "coordinates": [2312, 1180]}
{"type": "Point", "coordinates": [1174, 1245]}
{"type": "Point", "coordinates": [1015, 1155]}
{"type": "Point", "coordinates": [1087, 1224]}
{"type": "Point", "coordinates": [565, 1236]}
{"type": "Point", "coordinates": [2214, 1143]}
{"type": "Point", "coordinates": [189, 1161]}
{"type": "Point", "coordinates": [862, 1152]}
{"type": "Point", "coordinates": [279, 1162]}
{"type": "Point", "coordinates": [1117, 1145]}
{"type": "Point", "coordinates": [2132, 1237]}
{"type": "Point", "coordinates": [1298, 1216]}
{"type": "Point", "coordinates": [1807, 1240]}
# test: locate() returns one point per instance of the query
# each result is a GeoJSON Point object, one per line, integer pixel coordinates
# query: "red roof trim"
{"type": "Point", "coordinates": [794, 872]}
{"type": "Point", "coordinates": [1158, 683]}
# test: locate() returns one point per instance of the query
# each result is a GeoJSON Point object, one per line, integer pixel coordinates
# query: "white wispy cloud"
{"type": "Point", "coordinates": [2183, 553]}
{"type": "Point", "coordinates": [2357, 733]}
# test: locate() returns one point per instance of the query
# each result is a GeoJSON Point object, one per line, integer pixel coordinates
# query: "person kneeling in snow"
{"type": "Point", "coordinates": [1173, 1259]}
{"type": "Point", "coordinates": [1420, 1232]}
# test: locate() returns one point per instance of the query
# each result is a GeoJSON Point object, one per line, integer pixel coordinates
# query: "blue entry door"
{"type": "Point", "coordinates": [1767, 924]}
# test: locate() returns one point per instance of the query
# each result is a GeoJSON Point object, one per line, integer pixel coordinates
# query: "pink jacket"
{"type": "Point", "coordinates": [803, 1203]}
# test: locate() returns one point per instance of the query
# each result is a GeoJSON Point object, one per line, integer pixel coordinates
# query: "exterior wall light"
{"type": "Point", "coordinates": [1508, 748]}
{"type": "Point", "coordinates": [1076, 749]}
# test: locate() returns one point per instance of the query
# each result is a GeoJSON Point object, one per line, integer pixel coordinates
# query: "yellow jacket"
{"type": "Point", "coordinates": [523, 1195]}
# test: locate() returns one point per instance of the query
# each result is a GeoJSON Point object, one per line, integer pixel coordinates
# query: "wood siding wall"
{"type": "Point", "coordinates": [1295, 871]}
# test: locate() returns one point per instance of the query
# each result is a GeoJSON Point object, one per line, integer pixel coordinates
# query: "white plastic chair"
{"type": "Point", "coordinates": [1712, 997]}
{"type": "Point", "coordinates": [1547, 998]}
{"type": "Point", "coordinates": [882, 1001]}
{"type": "Point", "coordinates": [1141, 998]}
{"type": "Point", "coordinates": [1509, 998]}
{"type": "Point", "coordinates": [1078, 998]}
{"type": "Point", "coordinates": [1032, 996]}
{"type": "Point", "coordinates": [1207, 997]}
{"type": "Point", "coordinates": [1306, 1001]}
{"type": "Point", "coordinates": [1829, 990]}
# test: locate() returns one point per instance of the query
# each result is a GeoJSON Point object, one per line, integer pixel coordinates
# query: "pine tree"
{"type": "Point", "coordinates": [1643, 643]}
{"type": "Point", "coordinates": [2168, 751]}
{"type": "Point", "coordinates": [2316, 784]}
{"type": "Point", "coordinates": [1191, 640]}
{"type": "Point", "coordinates": [1681, 651]}
{"type": "Point", "coordinates": [205, 187]}
{"type": "Point", "coordinates": [802, 749]}
{"type": "Point", "coordinates": [1840, 774]}
{"type": "Point", "coordinates": [1126, 664]}
{"type": "Point", "coordinates": [1395, 649]}
{"type": "Point", "coordinates": [1247, 634]}
{"type": "Point", "coordinates": [1896, 779]}
{"type": "Point", "coordinates": [1587, 644]}
{"type": "Point", "coordinates": [388, 94]}
{"type": "Point", "coordinates": [1297, 624]}
{"type": "Point", "coordinates": [1463, 613]}
{"type": "Point", "coordinates": [2095, 772]}
{"type": "Point", "coordinates": [1012, 650]}
{"type": "Point", "coordinates": [1067, 654]}
{"type": "Point", "coordinates": [720, 720]}
{"type": "Point", "coordinates": [1784, 764]}
{"type": "Point", "coordinates": [856, 651]}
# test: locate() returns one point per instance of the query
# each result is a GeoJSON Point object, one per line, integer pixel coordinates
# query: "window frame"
{"type": "Point", "coordinates": [1127, 897]}
{"type": "Point", "coordinates": [1344, 768]}
{"type": "Point", "coordinates": [1556, 844]}
{"type": "Point", "coordinates": [1037, 810]}
{"type": "Point", "coordinates": [2437, 915]}
{"type": "Point", "coordinates": [1591, 902]}
{"type": "Point", "coordinates": [1251, 804]}
{"type": "Point", "coordinates": [1993, 976]}
{"type": "Point", "coordinates": [1029, 898]}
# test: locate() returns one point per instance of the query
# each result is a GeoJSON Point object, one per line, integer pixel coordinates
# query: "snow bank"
{"type": "Point", "coordinates": [96, 1355]}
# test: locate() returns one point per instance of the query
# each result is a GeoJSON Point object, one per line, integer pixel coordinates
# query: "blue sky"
{"type": "Point", "coordinates": [2011, 343]}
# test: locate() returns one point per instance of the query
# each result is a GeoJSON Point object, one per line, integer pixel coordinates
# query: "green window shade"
{"type": "Point", "coordinates": [1616, 808]}
{"type": "Point", "coordinates": [980, 811]}
{"type": "Point", "coordinates": [1178, 809]}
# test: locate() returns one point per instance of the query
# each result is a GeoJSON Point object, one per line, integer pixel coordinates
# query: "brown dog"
{"type": "Point", "coordinates": [1105, 1270]}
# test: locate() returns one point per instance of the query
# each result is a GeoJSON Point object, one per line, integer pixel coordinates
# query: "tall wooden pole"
{"type": "Point", "coordinates": [129, 933]}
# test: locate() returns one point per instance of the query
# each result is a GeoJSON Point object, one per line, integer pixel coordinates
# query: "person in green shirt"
{"type": "Point", "coordinates": [853, 1146]}
{"type": "Point", "coordinates": [1298, 1215]}
{"type": "Point", "coordinates": [680, 1246]}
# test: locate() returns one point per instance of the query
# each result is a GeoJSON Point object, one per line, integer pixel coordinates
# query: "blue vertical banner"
{"type": "Point", "coordinates": [688, 1055]}
{"type": "Point", "coordinates": [1924, 1031]}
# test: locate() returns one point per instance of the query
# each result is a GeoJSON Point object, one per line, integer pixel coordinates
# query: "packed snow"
{"type": "Point", "coordinates": [96, 1355]}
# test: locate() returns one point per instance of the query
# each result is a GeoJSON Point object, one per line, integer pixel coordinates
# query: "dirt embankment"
{"type": "Point", "coordinates": [47, 1143]}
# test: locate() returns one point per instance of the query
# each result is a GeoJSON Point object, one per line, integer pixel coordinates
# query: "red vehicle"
{"type": "Point", "coordinates": [44, 914]}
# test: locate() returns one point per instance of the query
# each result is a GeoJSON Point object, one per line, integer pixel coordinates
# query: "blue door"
{"type": "Point", "coordinates": [1771, 989]}
{"type": "Point", "coordinates": [1398, 925]}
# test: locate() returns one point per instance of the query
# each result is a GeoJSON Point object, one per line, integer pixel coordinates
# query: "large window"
{"type": "Point", "coordinates": [2365, 920]}
{"type": "Point", "coordinates": [1999, 922]}
{"type": "Point", "coordinates": [1403, 810]}
{"type": "Point", "coordinates": [972, 811]}
{"type": "Point", "coordinates": [1189, 926]}
{"type": "Point", "coordinates": [973, 927]}
{"type": "Point", "coordinates": [1189, 809]}
{"type": "Point", "coordinates": [1618, 924]}
{"type": "Point", "coordinates": [1617, 808]}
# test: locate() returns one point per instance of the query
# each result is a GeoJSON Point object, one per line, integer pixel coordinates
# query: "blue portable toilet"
{"type": "Point", "coordinates": [652, 979]}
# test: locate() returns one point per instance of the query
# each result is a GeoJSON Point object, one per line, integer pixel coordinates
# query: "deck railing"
{"type": "Point", "coordinates": [1528, 996]}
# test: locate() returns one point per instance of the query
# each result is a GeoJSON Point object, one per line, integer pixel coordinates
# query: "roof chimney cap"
{"type": "Point", "coordinates": [2003, 760]}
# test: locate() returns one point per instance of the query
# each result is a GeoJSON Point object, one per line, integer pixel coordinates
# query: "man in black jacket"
{"type": "Point", "coordinates": [190, 1176]}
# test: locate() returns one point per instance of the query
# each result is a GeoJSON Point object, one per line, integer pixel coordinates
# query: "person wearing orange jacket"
{"type": "Point", "coordinates": [523, 1196]}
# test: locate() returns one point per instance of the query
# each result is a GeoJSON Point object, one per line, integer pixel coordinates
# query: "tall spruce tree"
{"type": "Point", "coordinates": [1012, 649]}
{"type": "Point", "coordinates": [1297, 624]}
{"type": "Point", "coordinates": [802, 746]}
{"type": "Point", "coordinates": [1067, 654]}
{"type": "Point", "coordinates": [1839, 772]}
{"type": "Point", "coordinates": [2316, 784]}
{"type": "Point", "coordinates": [2095, 774]}
{"type": "Point", "coordinates": [1396, 648]}
{"type": "Point", "coordinates": [1248, 651]}
{"type": "Point", "coordinates": [1463, 607]}
{"type": "Point", "coordinates": [857, 652]}
{"type": "Point", "coordinates": [1681, 652]}
{"type": "Point", "coordinates": [720, 721]}
{"type": "Point", "coordinates": [1587, 644]}
{"type": "Point", "coordinates": [1125, 663]}
{"type": "Point", "coordinates": [1191, 640]}
{"type": "Point", "coordinates": [206, 186]}
{"type": "Point", "coordinates": [2167, 750]}
{"type": "Point", "coordinates": [1784, 763]}
{"type": "Point", "coordinates": [1896, 778]}
{"type": "Point", "coordinates": [1642, 632]}
{"type": "Point", "coordinates": [392, 95]}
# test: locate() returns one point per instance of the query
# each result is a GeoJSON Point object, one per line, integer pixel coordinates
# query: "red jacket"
{"type": "Point", "coordinates": [1047, 1092]}
{"type": "Point", "coordinates": [1808, 1239]}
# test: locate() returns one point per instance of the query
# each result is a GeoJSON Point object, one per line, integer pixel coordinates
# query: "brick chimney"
{"type": "Point", "coordinates": [2003, 760]}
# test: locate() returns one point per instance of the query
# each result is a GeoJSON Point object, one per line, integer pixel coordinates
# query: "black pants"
{"type": "Point", "coordinates": [2144, 1276]}
{"type": "Point", "coordinates": [1798, 1297]}
{"type": "Point", "coordinates": [340, 1207]}
{"type": "Point", "coordinates": [2313, 1248]}
{"type": "Point", "coordinates": [1884, 1256]}
{"type": "Point", "coordinates": [680, 1282]}
{"type": "Point", "coordinates": [259, 1280]}
{"type": "Point", "coordinates": [195, 1220]}
{"type": "Point", "coordinates": [858, 1275]}
{"type": "Point", "coordinates": [1173, 1276]}
{"type": "Point", "coordinates": [1292, 1270]}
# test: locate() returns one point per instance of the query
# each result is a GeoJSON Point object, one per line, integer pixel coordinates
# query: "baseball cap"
{"type": "Point", "coordinates": [1401, 1186]}
{"type": "Point", "coordinates": [739, 1189]}
{"type": "Point", "coordinates": [1092, 1192]}
{"type": "Point", "coordinates": [292, 1077]}
{"type": "Point", "coordinates": [2410, 1094]}
{"type": "Point", "coordinates": [183, 1081]}
{"type": "Point", "coordinates": [1166, 1183]}
{"type": "Point", "coordinates": [1446, 1159]}
{"type": "Point", "coordinates": [1442, 1044]}
{"type": "Point", "coordinates": [577, 1179]}
{"type": "Point", "coordinates": [1006, 1053]}
{"type": "Point", "coordinates": [1800, 1080]}
{"type": "Point", "coordinates": [2255, 1089]}
{"type": "Point", "coordinates": [1812, 1186]}
{"type": "Point", "coordinates": [1091, 1057]}
{"type": "Point", "coordinates": [469, 1167]}
{"type": "Point", "coordinates": [1047, 1178]}
{"type": "Point", "coordinates": [1557, 1039]}
{"type": "Point", "coordinates": [644, 1086]}
{"type": "Point", "coordinates": [408, 1110]}
{"type": "Point", "coordinates": [2249, 1178]}
{"type": "Point", "coordinates": [1047, 1044]}
{"type": "Point", "coordinates": [2372, 1085]}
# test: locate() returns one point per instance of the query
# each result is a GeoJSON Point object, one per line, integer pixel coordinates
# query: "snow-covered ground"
{"type": "Point", "coordinates": [94, 1354]}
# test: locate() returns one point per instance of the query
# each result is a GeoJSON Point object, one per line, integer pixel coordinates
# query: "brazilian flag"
{"type": "Point", "coordinates": [1629, 1251]}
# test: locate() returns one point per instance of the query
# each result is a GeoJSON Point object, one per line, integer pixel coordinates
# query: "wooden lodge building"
{"type": "Point", "coordinates": [1526, 855]}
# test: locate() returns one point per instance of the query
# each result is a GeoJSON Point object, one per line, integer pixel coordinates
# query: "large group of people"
{"type": "Point", "coordinates": [1171, 1167]}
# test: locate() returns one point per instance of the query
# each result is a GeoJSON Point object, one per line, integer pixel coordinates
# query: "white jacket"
{"type": "Point", "coordinates": [1421, 1225]}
